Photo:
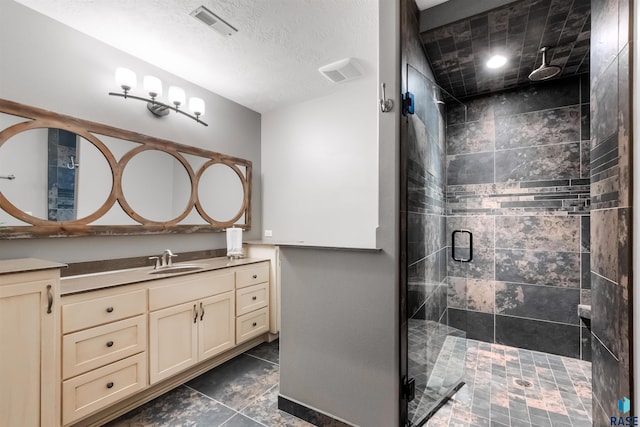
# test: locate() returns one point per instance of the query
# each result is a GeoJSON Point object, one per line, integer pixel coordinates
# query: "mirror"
{"type": "Point", "coordinates": [157, 185]}
{"type": "Point", "coordinates": [48, 165]}
{"type": "Point", "coordinates": [75, 178]}
{"type": "Point", "coordinates": [220, 192]}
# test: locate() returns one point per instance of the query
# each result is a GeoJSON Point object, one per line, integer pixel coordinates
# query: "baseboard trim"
{"type": "Point", "coordinates": [309, 415]}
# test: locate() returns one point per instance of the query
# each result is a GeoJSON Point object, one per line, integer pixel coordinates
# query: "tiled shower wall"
{"type": "Point", "coordinates": [611, 196]}
{"type": "Point", "coordinates": [518, 178]}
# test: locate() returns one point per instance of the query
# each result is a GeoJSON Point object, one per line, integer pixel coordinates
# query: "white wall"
{"type": "Point", "coordinates": [320, 169]}
{"type": "Point", "coordinates": [48, 65]}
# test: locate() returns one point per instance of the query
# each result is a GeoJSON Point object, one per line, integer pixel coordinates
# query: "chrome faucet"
{"type": "Point", "coordinates": [166, 259]}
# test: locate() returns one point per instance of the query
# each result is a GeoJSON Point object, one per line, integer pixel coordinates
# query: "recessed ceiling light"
{"type": "Point", "coordinates": [496, 61]}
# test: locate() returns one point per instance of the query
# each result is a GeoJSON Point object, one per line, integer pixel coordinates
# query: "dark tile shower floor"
{"type": "Point", "coordinates": [243, 392]}
{"type": "Point", "coordinates": [556, 391]}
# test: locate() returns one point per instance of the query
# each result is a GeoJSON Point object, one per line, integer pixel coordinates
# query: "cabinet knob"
{"type": "Point", "coordinates": [109, 384]}
{"type": "Point", "coordinates": [109, 343]}
{"type": "Point", "coordinates": [255, 324]}
{"type": "Point", "coordinates": [109, 309]}
{"type": "Point", "coordinates": [255, 276]}
{"type": "Point", "coordinates": [254, 298]}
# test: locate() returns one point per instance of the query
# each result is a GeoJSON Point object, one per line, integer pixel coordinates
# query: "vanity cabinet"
{"type": "Point", "coordinates": [182, 335]}
{"type": "Point", "coordinates": [29, 360]}
{"type": "Point", "coordinates": [127, 343]}
{"type": "Point", "coordinates": [104, 345]}
{"type": "Point", "coordinates": [252, 300]}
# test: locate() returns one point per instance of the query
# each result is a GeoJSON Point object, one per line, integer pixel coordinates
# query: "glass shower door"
{"type": "Point", "coordinates": [435, 352]}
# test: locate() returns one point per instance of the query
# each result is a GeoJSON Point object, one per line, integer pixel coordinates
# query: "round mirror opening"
{"type": "Point", "coordinates": [156, 185]}
{"type": "Point", "coordinates": [220, 192]}
{"type": "Point", "coordinates": [59, 176]}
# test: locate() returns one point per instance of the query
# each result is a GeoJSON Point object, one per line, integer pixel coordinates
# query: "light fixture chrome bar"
{"type": "Point", "coordinates": [9, 177]}
{"type": "Point", "coordinates": [157, 105]}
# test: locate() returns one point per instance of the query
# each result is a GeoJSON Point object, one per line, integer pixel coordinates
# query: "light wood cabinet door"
{"type": "Point", "coordinates": [216, 330]}
{"type": "Point", "coordinates": [29, 372]}
{"type": "Point", "coordinates": [173, 340]}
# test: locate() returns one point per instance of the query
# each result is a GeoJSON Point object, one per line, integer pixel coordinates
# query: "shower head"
{"type": "Point", "coordinates": [545, 71]}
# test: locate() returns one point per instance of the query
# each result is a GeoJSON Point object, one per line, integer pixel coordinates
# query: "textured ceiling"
{"type": "Point", "coordinates": [271, 62]}
{"type": "Point", "coordinates": [458, 51]}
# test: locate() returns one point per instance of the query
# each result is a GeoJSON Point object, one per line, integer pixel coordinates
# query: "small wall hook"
{"type": "Point", "coordinates": [386, 105]}
{"type": "Point", "coordinates": [9, 177]}
{"type": "Point", "coordinates": [72, 163]}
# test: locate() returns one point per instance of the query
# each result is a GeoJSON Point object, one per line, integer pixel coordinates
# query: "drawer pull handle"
{"type": "Point", "coordinates": [255, 276]}
{"type": "Point", "coordinates": [195, 313]}
{"type": "Point", "coordinates": [255, 324]}
{"type": "Point", "coordinates": [254, 298]}
{"type": "Point", "coordinates": [109, 343]}
{"type": "Point", "coordinates": [201, 311]}
{"type": "Point", "coordinates": [49, 299]}
{"type": "Point", "coordinates": [109, 309]}
{"type": "Point", "coordinates": [110, 384]}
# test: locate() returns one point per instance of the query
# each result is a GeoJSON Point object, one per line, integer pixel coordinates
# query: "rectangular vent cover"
{"type": "Point", "coordinates": [213, 21]}
{"type": "Point", "coordinates": [341, 71]}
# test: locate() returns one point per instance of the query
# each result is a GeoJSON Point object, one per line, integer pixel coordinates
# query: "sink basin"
{"type": "Point", "coordinates": [182, 268]}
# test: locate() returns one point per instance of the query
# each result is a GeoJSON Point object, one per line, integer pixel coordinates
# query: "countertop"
{"type": "Point", "coordinates": [107, 279]}
{"type": "Point", "coordinates": [27, 264]}
{"type": "Point", "coordinates": [291, 244]}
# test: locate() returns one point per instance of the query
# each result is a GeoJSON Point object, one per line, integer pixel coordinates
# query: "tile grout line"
{"type": "Point", "coordinates": [237, 412]}
{"type": "Point", "coordinates": [264, 360]}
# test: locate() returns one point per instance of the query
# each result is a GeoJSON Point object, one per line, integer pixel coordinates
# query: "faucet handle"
{"type": "Point", "coordinates": [156, 263]}
{"type": "Point", "coordinates": [170, 256]}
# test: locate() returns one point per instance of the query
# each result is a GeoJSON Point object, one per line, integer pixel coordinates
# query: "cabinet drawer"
{"type": "Point", "coordinates": [99, 346]}
{"type": "Point", "coordinates": [86, 314]}
{"type": "Point", "coordinates": [252, 324]}
{"type": "Point", "coordinates": [94, 390]}
{"type": "Point", "coordinates": [252, 275]}
{"type": "Point", "coordinates": [192, 288]}
{"type": "Point", "coordinates": [251, 298]}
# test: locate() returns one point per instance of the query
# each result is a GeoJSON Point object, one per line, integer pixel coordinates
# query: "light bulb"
{"type": "Point", "coordinates": [176, 95]}
{"type": "Point", "coordinates": [125, 78]}
{"type": "Point", "coordinates": [152, 85]}
{"type": "Point", "coordinates": [496, 61]}
{"type": "Point", "coordinates": [196, 106]}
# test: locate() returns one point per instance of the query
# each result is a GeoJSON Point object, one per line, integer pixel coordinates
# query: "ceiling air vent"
{"type": "Point", "coordinates": [213, 21]}
{"type": "Point", "coordinates": [341, 71]}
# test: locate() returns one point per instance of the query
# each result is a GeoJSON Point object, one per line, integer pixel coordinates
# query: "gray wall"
{"type": "Point", "coordinates": [48, 65]}
{"type": "Point", "coordinates": [340, 331]}
{"type": "Point", "coordinates": [518, 178]}
{"type": "Point", "coordinates": [612, 207]}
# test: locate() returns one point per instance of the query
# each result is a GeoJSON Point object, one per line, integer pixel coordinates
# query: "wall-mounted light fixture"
{"type": "Point", "coordinates": [126, 79]}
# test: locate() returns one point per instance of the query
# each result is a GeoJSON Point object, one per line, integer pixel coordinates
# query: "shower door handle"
{"type": "Point", "coordinates": [453, 246]}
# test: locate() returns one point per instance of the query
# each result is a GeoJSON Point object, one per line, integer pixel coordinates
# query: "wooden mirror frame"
{"type": "Point", "coordinates": [38, 118]}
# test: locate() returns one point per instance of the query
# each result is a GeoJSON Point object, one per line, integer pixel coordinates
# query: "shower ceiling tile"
{"type": "Point", "coordinates": [458, 51]}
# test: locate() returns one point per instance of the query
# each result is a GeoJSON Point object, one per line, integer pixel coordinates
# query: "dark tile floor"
{"type": "Point", "coordinates": [242, 392]}
{"type": "Point", "coordinates": [557, 394]}
{"type": "Point", "coordinates": [435, 361]}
